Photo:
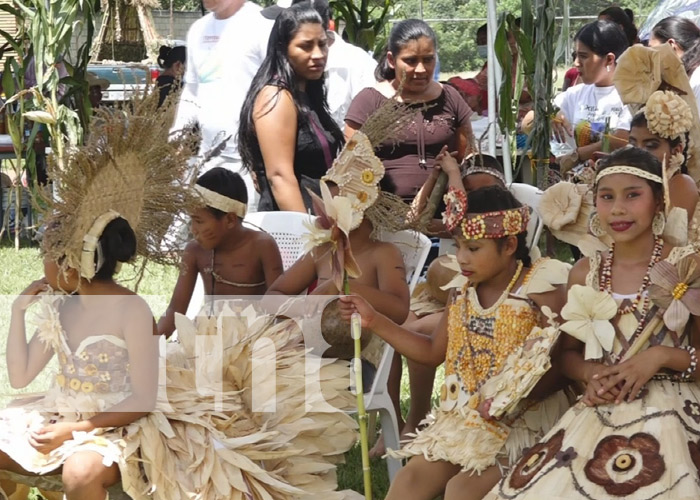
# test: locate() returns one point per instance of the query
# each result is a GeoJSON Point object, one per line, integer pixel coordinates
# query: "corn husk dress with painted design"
{"type": "Point", "coordinates": [487, 358]}
{"type": "Point", "coordinates": [646, 449]}
{"type": "Point", "coordinates": [204, 441]}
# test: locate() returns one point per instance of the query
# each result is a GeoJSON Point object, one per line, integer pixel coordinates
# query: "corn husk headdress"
{"type": "Point", "coordinates": [130, 168]}
{"type": "Point", "coordinates": [357, 171]}
{"type": "Point", "coordinates": [654, 77]}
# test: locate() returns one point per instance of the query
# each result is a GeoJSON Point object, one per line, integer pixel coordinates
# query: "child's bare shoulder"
{"type": "Point", "coordinates": [260, 237]}
{"type": "Point", "coordinates": [387, 251]}
{"type": "Point", "coordinates": [579, 271]}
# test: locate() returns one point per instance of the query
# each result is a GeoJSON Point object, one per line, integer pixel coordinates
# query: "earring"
{"type": "Point", "coordinates": [658, 224]}
{"type": "Point", "coordinates": [607, 68]}
{"type": "Point", "coordinates": [595, 226]}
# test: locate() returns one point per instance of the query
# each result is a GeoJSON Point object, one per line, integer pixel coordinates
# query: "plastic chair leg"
{"type": "Point", "coordinates": [390, 432]}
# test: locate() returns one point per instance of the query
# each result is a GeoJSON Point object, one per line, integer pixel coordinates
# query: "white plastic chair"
{"type": "Point", "coordinates": [286, 228]}
{"type": "Point", "coordinates": [531, 196]}
{"type": "Point", "coordinates": [526, 194]}
{"type": "Point", "coordinates": [414, 248]}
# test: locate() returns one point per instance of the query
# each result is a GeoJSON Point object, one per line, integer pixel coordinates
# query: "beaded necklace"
{"type": "Point", "coordinates": [474, 298]}
{"type": "Point", "coordinates": [479, 356]}
{"type": "Point", "coordinates": [606, 276]}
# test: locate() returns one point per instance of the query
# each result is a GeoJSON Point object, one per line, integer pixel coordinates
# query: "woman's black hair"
{"type": "Point", "coordinates": [603, 38]}
{"type": "Point", "coordinates": [622, 19]}
{"type": "Point", "coordinates": [493, 199]}
{"type": "Point", "coordinates": [118, 244]}
{"type": "Point", "coordinates": [402, 33]}
{"type": "Point", "coordinates": [640, 120]}
{"type": "Point", "coordinates": [634, 157]}
{"type": "Point", "coordinates": [276, 70]}
{"type": "Point", "coordinates": [686, 34]}
{"type": "Point", "coordinates": [167, 56]}
{"type": "Point", "coordinates": [226, 183]}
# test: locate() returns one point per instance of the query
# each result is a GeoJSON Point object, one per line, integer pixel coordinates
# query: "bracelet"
{"type": "Point", "coordinates": [689, 373]}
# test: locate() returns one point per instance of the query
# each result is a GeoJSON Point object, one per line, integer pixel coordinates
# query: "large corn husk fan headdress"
{"type": "Point", "coordinates": [129, 167]}
{"type": "Point", "coordinates": [357, 171]}
{"type": "Point", "coordinates": [640, 73]}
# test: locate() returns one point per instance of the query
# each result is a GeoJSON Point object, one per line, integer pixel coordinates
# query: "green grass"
{"type": "Point", "coordinates": [19, 268]}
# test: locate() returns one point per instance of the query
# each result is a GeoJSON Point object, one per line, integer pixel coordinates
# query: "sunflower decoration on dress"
{"type": "Point", "coordinates": [129, 167]}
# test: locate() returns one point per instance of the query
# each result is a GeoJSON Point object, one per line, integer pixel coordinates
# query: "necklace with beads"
{"type": "Point", "coordinates": [606, 276]}
{"type": "Point", "coordinates": [473, 298]}
{"type": "Point", "coordinates": [479, 355]}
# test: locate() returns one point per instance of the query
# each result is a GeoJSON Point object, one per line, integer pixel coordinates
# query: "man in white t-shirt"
{"type": "Point", "coordinates": [225, 48]}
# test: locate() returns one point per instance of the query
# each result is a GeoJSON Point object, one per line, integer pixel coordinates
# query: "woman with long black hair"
{"type": "Point", "coordinates": [287, 136]}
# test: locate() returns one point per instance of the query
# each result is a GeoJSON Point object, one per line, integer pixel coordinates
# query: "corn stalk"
{"type": "Point", "coordinates": [514, 78]}
{"type": "Point", "coordinates": [13, 84]}
{"type": "Point", "coordinates": [544, 109]}
{"type": "Point", "coordinates": [47, 28]}
{"type": "Point", "coordinates": [356, 333]}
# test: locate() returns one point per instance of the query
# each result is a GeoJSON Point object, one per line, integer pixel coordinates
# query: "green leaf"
{"type": "Point", "coordinates": [40, 116]}
{"type": "Point", "coordinates": [8, 81]}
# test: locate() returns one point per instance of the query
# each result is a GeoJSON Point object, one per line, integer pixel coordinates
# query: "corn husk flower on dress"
{"type": "Point", "coordinates": [330, 232]}
{"type": "Point", "coordinates": [676, 290]}
{"type": "Point", "coordinates": [587, 314]}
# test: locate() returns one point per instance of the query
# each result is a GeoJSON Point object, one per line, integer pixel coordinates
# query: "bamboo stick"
{"type": "Point", "coordinates": [356, 332]}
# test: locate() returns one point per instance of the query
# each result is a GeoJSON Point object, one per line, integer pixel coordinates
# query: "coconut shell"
{"type": "Point", "coordinates": [336, 332]}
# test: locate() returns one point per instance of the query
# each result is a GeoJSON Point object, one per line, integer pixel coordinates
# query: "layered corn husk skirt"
{"type": "Point", "coordinates": [211, 437]}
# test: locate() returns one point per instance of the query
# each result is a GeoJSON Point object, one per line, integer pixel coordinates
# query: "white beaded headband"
{"type": "Point", "coordinates": [221, 202]}
{"type": "Point", "coordinates": [626, 169]}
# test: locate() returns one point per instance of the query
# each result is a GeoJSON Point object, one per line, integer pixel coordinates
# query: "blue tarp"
{"type": "Point", "coordinates": [666, 8]}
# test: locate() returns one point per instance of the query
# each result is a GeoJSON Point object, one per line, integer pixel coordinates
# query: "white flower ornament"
{"type": "Point", "coordinates": [587, 314]}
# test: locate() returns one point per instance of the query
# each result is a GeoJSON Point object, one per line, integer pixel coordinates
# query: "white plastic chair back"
{"type": "Point", "coordinates": [414, 248]}
{"type": "Point", "coordinates": [286, 228]}
{"type": "Point", "coordinates": [531, 196]}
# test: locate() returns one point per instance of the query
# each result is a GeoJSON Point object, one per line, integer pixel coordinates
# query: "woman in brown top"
{"type": "Point", "coordinates": [442, 116]}
{"type": "Point", "coordinates": [442, 119]}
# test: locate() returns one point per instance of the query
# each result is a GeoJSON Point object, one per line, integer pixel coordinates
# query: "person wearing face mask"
{"type": "Point", "coordinates": [525, 100]}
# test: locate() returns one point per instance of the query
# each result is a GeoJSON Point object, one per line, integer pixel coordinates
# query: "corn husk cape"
{"type": "Point", "coordinates": [129, 167]}
{"type": "Point", "coordinates": [641, 71]}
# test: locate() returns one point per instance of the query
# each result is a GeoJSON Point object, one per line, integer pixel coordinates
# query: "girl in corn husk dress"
{"type": "Point", "coordinates": [631, 314]}
{"type": "Point", "coordinates": [489, 327]}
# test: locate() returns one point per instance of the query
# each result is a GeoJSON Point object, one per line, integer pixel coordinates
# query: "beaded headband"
{"type": "Point", "coordinates": [221, 202]}
{"type": "Point", "coordinates": [478, 169]}
{"type": "Point", "coordinates": [494, 225]}
{"type": "Point", "coordinates": [626, 169]}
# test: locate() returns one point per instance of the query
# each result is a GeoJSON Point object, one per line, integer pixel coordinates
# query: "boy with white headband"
{"type": "Point", "coordinates": [230, 258]}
